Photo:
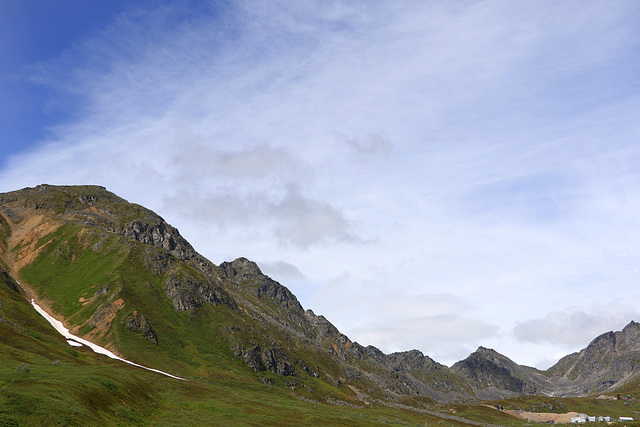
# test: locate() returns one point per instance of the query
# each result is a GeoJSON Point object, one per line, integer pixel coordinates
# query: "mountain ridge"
{"type": "Point", "coordinates": [137, 282]}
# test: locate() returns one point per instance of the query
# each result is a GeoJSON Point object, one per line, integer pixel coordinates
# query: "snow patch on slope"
{"type": "Point", "coordinates": [78, 342]}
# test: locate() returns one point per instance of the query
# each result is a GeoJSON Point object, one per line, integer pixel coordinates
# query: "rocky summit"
{"type": "Point", "coordinates": [117, 274]}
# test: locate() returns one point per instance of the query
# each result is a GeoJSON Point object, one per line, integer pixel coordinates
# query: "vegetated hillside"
{"type": "Point", "coordinates": [44, 381]}
{"type": "Point", "coordinates": [122, 277]}
{"type": "Point", "coordinates": [610, 360]}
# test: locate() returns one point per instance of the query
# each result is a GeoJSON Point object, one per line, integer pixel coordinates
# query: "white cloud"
{"type": "Point", "coordinates": [196, 160]}
{"type": "Point", "coordinates": [294, 220]}
{"type": "Point", "coordinates": [575, 327]}
{"type": "Point", "coordinates": [303, 222]}
{"type": "Point", "coordinates": [372, 144]}
{"type": "Point", "coordinates": [445, 338]}
{"type": "Point", "coordinates": [281, 270]}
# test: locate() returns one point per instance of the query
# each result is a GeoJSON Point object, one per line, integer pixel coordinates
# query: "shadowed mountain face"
{"type": "Point", "coordinates": [609, 361]}
{"type": "Point", "coordinates": [120, 276]}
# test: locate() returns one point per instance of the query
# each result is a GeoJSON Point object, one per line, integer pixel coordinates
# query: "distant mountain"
{"type": "Point", "coordinates": [609, 361]}
{"type": "Point", "coordinates": [119, 275]}
{"type": "Point", "coordinates": [493, 376]}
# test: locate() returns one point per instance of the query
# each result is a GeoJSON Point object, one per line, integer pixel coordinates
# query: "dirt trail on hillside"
{"type": "Point", "coordinates": [542, 417]}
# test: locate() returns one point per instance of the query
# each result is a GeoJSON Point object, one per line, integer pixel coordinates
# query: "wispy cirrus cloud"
{"type": "Point", "coordinates": [294, 219]}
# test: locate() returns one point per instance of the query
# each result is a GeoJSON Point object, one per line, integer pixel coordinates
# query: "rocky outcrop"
{"type": "Point", "coordinates": [96, 206]}
{"type": "Point", "coordinates": [408, 361]}
{"type": "Point", "coordinates": [158, 261]}
{"type": "Point", "coordinates": [322, 326]}
{"type": "Point", "coordinates": [136, 322]}
{"type": "Point", "coordinates": [8, 280]}
{"type": "Point", "coordinates": [101, 292]}
{"type": "Point", "coordinates": [186, 292]}
{"type": "Point", "coordinates": [277, 361]}
{"type": "Point", "coordinates": [273, 358]}
{"type": "Point", "coordinates": [607, 362]}
{"type": "Point", "coordinates": [494, 376]}
{"type": "Point", "coordinates": [247, 276]}
{"type": "Point", "coordinates": [60, 198]}
{"type": "Point", "coordinates": [156, 232]}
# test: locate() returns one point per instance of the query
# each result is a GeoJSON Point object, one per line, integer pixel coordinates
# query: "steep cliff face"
{"type": "Point", "coordinates": [493, 375]}
{"type": "Point", "coordinates": [607, 362]}
{"type": "Point", "coordinates": [316, 347]}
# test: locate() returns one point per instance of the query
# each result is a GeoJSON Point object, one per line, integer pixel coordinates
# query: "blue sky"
{"type": "Point", "coordinates": [30, 33]}
{"type": "Point", "coordinates": [432, 175]}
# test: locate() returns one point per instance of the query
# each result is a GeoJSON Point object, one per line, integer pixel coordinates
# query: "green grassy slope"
{"type": "Point", "coordinates": [44, 381]}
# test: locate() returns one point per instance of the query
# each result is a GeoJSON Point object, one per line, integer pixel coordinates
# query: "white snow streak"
{"type": "Point", "coordinates": [77, 341]}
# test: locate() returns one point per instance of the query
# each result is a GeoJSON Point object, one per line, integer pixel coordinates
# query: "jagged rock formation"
{"type": "Point", "coordinates": [608, 361]}
{"type": "Point", "coordinates": [136, 322]}
{"type": "Point", "coordinates": [186, 292]}
{"type": "Point", "coordinates": [130, 270]}
{"type": "Point", "coordinates": [494, 376]}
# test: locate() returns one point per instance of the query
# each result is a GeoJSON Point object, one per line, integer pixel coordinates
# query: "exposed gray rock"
{"type": "Point", "coordinates": [156, 232]}
{"type": "Point", "coordinates": [251, 354]}
{"type": "Point", "coordinates": [259, 359]}
{"type": "Point", "coordinates": [408, 361]}
{"type": "Point", "coordinates": [246, 275]}
{"type": "Point", "coordinates": [277, 361]}
{"type": "Point", "coordinates": [158, 261]}
{"type": "Point", "coordinates": [323, 327]}
{"type": "Point", "coordinates": [493, 375]}
{"type": "Point", "coordinates": [102, 291]}
{"type": "Point", "coordinates": [607, 362]}
{"type": "Point", "coordinates": [187, 292]}
{"type": "Point", "coordinates": [357, 351]}
{"type": "Point", "coordinates": [88, 199]}
{"type": "Point", "coordinates": [136, 322]}
{"type": "Point", "coordinates": [308, 369]}
{"type": "Point", "coordinates": [10, 213]}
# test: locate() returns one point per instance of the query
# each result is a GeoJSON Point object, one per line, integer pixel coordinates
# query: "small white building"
{"type": "Point", "coordinates": [625, 419]}
{"type": "Point", "coordinates": [582, 418]}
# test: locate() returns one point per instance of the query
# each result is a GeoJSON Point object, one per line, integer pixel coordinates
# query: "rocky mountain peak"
{"type": "Point", "coordinates": [241, 267]}
{"type": "Point", "coordinates": [493, 375]}
{"type": "Point", "coordinates": [246, 273]}
{"type": "Point", "coordinates": [323, 326]}
{"type": "Point", "coordinates": [156, 232]}
{"type": "Point", "coordinates": [630, 335]}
